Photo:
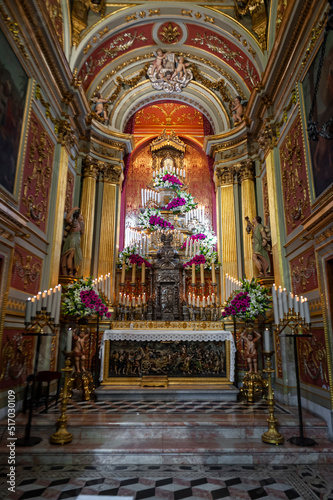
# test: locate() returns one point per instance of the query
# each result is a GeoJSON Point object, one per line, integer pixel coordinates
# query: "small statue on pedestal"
{"type": "Point", "coordinates": [251, 352]}
{"type": "Point", "coordinates": [79, 349]}
{"type": "Point", "coordinates": [261, 244]}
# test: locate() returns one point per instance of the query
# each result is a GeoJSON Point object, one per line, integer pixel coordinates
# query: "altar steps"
{"type": "Point", "coordinates": [196, 438]}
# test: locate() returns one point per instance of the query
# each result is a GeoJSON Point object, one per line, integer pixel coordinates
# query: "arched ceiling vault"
{"type": "Point", "coordinates": [121, 45]}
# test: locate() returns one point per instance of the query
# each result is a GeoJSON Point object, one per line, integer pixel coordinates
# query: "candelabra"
{"type": "Point", "coordinates": [271, 436]}
{"type": "Point", "coordinates": [62, 435]}
{"type": "Point", "coordinates": [35, 327]}
{"type": "Point", "coordinates": [296, 322]}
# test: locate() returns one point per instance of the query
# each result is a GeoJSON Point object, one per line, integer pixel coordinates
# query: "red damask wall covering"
{"type": "Point", "coordinates": [37, 174]}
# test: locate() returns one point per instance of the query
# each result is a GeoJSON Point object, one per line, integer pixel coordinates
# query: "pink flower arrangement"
{"type": "Point", "coordinates": [197, 260]}
{"type": "Point", "coordinates": [194, 237]}
{"type": "Point", "coordinates": [175, 203]}
{"type": "Point", "coordinates": [154, 220]}
{"type": "Point", "coordinates": [135, 258]}
{"type": "Point", "coordinates": [172, 178]}
{"type": "Point", "coordinates": [239, 303]}
{"type": "Point", "coordinates": [92, 300]}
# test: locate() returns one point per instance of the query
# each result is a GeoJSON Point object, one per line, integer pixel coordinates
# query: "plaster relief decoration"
{"type": "Point", "coordinates": [170, 33]}
{"type": "Point", "coordinates": [304, 272]}
{"type": "Point", "coordinates": [294, 179]}
{"type": "Point", "coordinates": [37, 174]}
{"type": "Point", "coordinates": [313, 360]}
{"type": "Point", "coordinates": [53, 8]}
{"type": "Point", "coordinates": [16, 358]}
{"type": "Point", "coordinates": [26, 271]}
{"type": "Point", "coordinates": [169, 72]}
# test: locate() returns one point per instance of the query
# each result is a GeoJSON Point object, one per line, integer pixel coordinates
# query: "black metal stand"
{"type": "Point", "coordinates": [28, 440]}
{"type": "Point", "coordinates": [97, 364]}
{"type": "Point", "coordinates": [299, 440]}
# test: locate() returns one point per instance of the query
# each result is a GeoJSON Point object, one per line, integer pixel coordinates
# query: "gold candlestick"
{"type": "Point", "coordinates": [213, 274]}
{"type": "Point", "coordinates": [272, 436]}
{"type": "Point", "coordinates": [202, 275]}
{"type": "Point", "coordinates": [123, 269]}
{"type": "Point", "coordinates": [143, 273]}
{"type": "Point", "coordinates": [193, 274]}
{"type": "Point", "coordinates": [133, 273]}
{"type": "Point", "coordinates": [62, 436]}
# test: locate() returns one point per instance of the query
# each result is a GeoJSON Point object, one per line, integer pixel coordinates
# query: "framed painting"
{"type": "Point", "coordinates": [321, 151]}
{"type": "Point", "coordinates": [13, 90]}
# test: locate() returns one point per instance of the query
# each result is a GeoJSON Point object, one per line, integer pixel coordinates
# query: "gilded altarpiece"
{"type": "Point", "coordinates": [295, 187]}
{"type": "Point", "coordinates": [37, 174]}
{"type": "Point", "coordinates": [197, 179]}
{"type": "Point", "coordinates": [303, 272]}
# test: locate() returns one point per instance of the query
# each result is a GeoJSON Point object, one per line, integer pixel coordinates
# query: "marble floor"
{"type": "Point", "coordinates": [172, 482]}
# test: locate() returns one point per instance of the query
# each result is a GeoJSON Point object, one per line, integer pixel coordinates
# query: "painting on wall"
{"type": "Point", "coordinates": [321, 150]}
{"type": "Point", "coordinates": [13, 88]}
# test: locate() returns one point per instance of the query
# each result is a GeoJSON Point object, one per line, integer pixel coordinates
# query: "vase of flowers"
{"type": "Point", "coordinates": [81, 300]}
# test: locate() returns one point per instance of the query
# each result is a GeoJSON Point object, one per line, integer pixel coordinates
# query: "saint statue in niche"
{"type": "Point", "coordinates": [261, 244]}
{"type": "Point", "coordinates": [71, 255]}
{"type": "Point", "coordinates": [169, 74]}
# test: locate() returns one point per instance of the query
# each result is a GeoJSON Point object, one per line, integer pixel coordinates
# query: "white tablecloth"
{"type": "Point", "coordinates": [170, 335]}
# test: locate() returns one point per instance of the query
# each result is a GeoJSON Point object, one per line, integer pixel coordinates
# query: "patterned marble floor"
{"type": "Point", "coordinates": [289, 482]}
{"type": "Point", "coordinates": [174, 407]}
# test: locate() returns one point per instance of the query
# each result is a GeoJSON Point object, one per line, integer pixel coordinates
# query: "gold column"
{"type": "Point", "coordinates": [59, 218]}
{"type": "Point", "coordinates": [109, 223]}
{"type": "Point", "coordinates": [246, 173]}
{"type": "Point", "coordinates": [228, 222]}
{"type": "Point", "coordinates": [88, 195]}
{"type": "Point", "coordinates": [277, 249]}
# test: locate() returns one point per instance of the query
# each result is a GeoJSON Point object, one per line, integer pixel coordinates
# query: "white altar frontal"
{"type": "Point", "coordinates": [158, 356]}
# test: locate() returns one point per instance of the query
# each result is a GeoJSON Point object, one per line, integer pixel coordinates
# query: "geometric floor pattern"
{"type": "Point", "coordinates": [171, 482]}
{"type": "Point", "coordinates": [162, 407]}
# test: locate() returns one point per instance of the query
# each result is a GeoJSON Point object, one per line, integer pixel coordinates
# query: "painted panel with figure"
{"type": "Point", "coordinates": [13, 88]}
{"type": "Point", "coordinates": [321, 150]}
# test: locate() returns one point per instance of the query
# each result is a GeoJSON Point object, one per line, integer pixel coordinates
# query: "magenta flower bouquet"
{"type": "Point", "coordinates": [238, 305]}
{"type": "Point", "coordinates": [92, 300]}
{"type": "Point", "coordinates": [195, 237]}
{"type": "Point", "coordinates": [175, 204]}
{"type": "Point", "coordinates": [135, 258]}
{"type": "Point", "coordinates": [168, 181]}
{"type": "Point", "coordinates": [157, 222]}
{"type": "Point", "coordinates": [197, 260]}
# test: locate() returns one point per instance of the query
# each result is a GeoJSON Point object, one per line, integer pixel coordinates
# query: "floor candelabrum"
{"type": "Point", "coordinates": [292, 312]}
{"type": "Point", "coordinates": [41, 320]}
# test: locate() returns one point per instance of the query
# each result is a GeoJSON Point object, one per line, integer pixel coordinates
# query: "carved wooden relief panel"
{"type": "Point", "coordinates": [312, 357]}
{"type": "Point", "coordinates": [303, 272]}
{"type": "Point", "coordinates": [26, 272]}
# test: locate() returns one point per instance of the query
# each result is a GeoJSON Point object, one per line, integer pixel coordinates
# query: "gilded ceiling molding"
{"type": "Point", "coordinates": [244, 42]}
{"type": "Point", "coordinates": [258, 13]}
{"type": "Point", "coordinates": [15, 31]}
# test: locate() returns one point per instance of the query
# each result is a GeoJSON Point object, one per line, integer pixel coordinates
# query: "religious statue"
{"type": "Point", "coordinates": [98, 107]}
{"type": "Point", "coordinates": [251, 353]}
{"type": "Point", "coordinates": [237, 110]}
{"type": "Point", "coordinates": [79, 350]}
{"type": "Point", "coordinates": [71, 255]}
{"type": "Point", "coordinates": [168, 75]}
{"type": "Point", "coordinates": [261, 244]}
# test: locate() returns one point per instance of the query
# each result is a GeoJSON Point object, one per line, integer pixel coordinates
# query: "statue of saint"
{"type": "Point", "coordinates": [251, 352]}
{"type": "Point", "coordinates": [261, 239]}
{"type": "Point", "coordinates": [71, 255]}
{"type": "Point", "coordinates": [237, 110]}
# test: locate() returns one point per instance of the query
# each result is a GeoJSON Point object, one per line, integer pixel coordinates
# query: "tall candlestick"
{"type": "Point", "coordinates": [49, 301]}
{"type": "Point", "coordinates": [307, 312]}
{"type": "Point", "coordinates": [193, 274]}
{"type": "Point", "coordinates": [39, 302]}
{"type": "Point", "coordinates": [69, 340]}
{"type": "Point", "coordinates": [301, 308]}
{"type": "Point", "coordinates": [144, 298]}
{"type": "Point", "coordinates": [143, 273]}
{"type": "Point", "coordinates": [202, 275]}
{"type": "Point", "coordinates": [28, 308]}
{"type": "Point", "coordinates": [123, 269]}
{"type": "Point", "coordinates": [213, 274]}
{"type": "Point", "coordinates": [133, 273]}
{"type": "Point", "coordinates": [296, 304]}
{"type": "Point", "coordinates": [275, 305]}
{"type": "Point", "coordinates": [54, 302]}
{"type": "Point", "coordinates": [33, 307]}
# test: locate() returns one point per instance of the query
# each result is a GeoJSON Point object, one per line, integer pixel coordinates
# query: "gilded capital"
{"type": "Point", "coordinates": [90, 168]}
{"type": "Point", "coordinates": [111, 174]}
{"type": "Point", "coordinates": [267, 137]}
{"type": "Point", "coordinates": [225, 175]}
{"type": "Point", "coordinates": [246, 170]}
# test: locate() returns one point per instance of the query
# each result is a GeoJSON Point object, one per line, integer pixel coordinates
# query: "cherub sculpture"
{"type": "Point", "coordinates": [251, 354]}
{"type": "Point", "coordinates": [79, 350]}
{"type": "Point", "coordinates": [237, 110]}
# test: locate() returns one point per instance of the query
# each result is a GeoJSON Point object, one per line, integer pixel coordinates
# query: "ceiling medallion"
{"type": "Point", "coordinates": [170, 33]}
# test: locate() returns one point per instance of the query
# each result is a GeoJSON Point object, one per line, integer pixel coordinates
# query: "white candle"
{"type": "Point", "coordinates": [69, 340]}
{"type": "Point", "coordinates": [33, 307]}
{"type": "Point", "coordinates": [54, 302]}
{"type": "Point", "coordinates": [124, 299]}
{"type": "Point", "coordinates": [120, 297]}
{"type": "Point", "coordinates": [189, 299]}
{"type": "Point", "coordinates": [307, 312]}
{"type": "Point", "coordinates": [186, 248]}
{"type": "Point", "coordinates": [296, 304]}
{"type": "Point", "coordinates": [28, 308]}
{"type": "Point", "coordinates": [144, 298]}
{"type": "Point", "coordinates": [44, 300]}
{"type": "Point", "coordinates": [285, 301]}
{"type": "Point", "coordinates": [49, 301]}
{"type": "Point", "coordinates": [133, 301]}
{"type": "Point", "coordinates": [39, 302]}
{"type": "Point", "coordinates": [203, 301]}
{"type": "Point", "coordinates": [57, 311]}
{"type": "Point", "coordinates": [301, 308]}
{"type": "Point", "coordinates": [290, 301]}
{"type": "Point", "coordinates": [191, 244]}
{"type": "Point", "coordinates": [128, 301]}
{"type": "Point", "coordinates": [198, 301]}
{"type": "Point", "coordinates": [275, 305]}
{"type": "Point", "coordinates": [268, 346]}
{"type": "Point", "coordinates": [208, 301]}
{"type": "Point", "coordinates": [280, 301]}
{"type": "Point", "coordinates": [153, 174]}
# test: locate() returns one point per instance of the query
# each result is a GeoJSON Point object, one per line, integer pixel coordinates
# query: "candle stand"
{"type": "Point", "coordinates": [295, 322]}
{"type": "Point", "coordinates": [36, 329]}
{"type": "Point", "coordinates": [272, 436]}
{"type": "Point", "coordinates": [62, 435]}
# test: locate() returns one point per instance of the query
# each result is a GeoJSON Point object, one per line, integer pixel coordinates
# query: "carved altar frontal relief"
{"type": "Point", "coordinates": [174, 359]}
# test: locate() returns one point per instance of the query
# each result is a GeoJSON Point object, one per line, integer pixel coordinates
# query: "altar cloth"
{"type": "Point", "coordinates": [170, 335]}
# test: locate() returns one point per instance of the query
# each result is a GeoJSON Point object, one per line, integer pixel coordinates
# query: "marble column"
{"type": "Point", "coordinates": [225, 177]}
{"type": "Point", "coordinates": [110, 218]}
{"type": "Point", "coordinates": [247, 174]}
{"type": "Point", "coordinates": [90, 173]}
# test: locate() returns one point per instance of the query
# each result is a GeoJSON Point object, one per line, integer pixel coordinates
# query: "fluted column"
{"type": "Point", "coordinates": [109, 237]}
{"type": "Point", "coordinates": [90, 172]}
{"type": "Point", "coordinates": [246, 174]}
{"type": "Point", "coordinates": [228, 222]}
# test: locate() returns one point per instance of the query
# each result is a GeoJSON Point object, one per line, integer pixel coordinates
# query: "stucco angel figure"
{"type": "Point", "coordinates": [168, 75]}
{"type": "Point", "coordinates": [237, 110]}
{"type": "Point", "coordinates": [261, 244]}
